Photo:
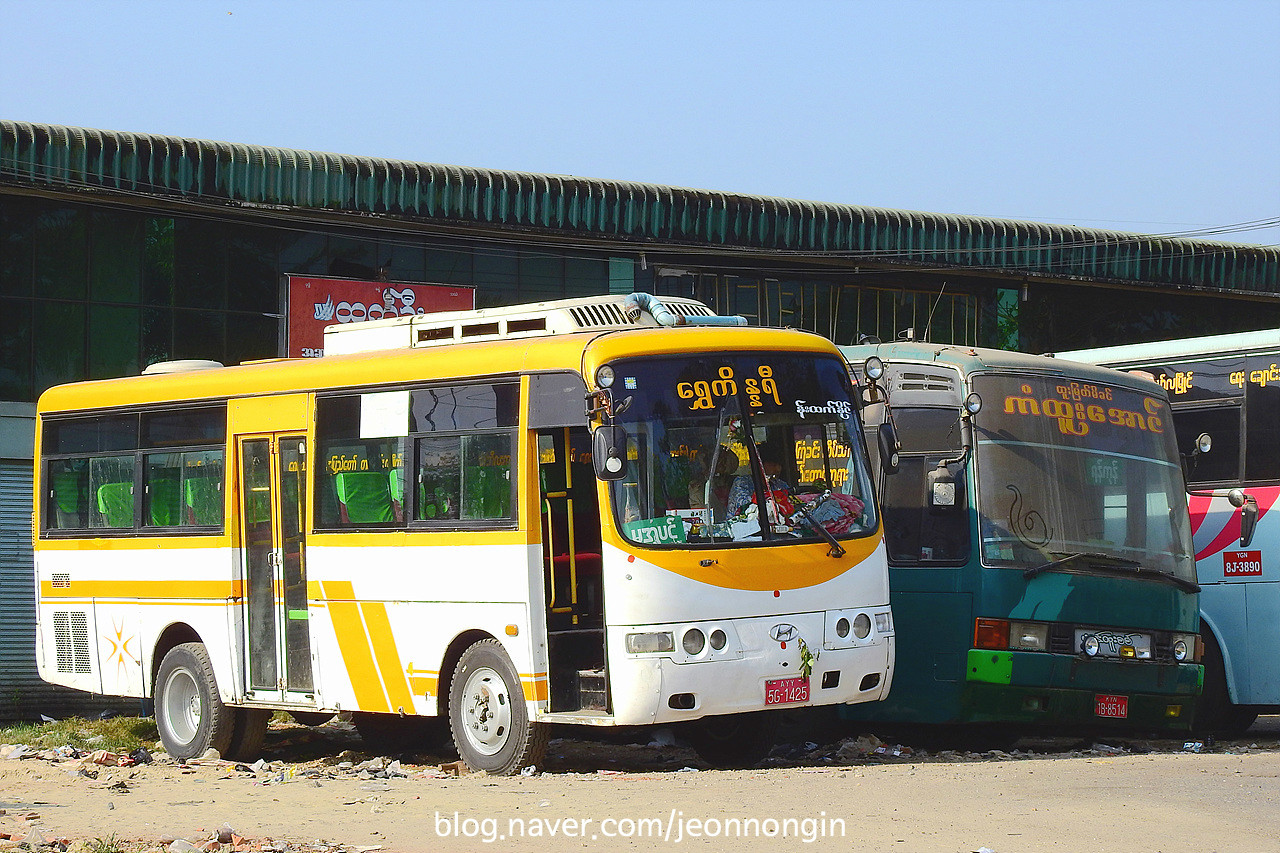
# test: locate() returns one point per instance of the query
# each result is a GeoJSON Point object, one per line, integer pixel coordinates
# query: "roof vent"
{"type": "Point", "coordinates": [183, 365]}
{"type": "Point", "coordinates": [539, 319]}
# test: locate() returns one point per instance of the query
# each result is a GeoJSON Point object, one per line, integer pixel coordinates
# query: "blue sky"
{"type": "Point", "coordinates": [1159, 117]}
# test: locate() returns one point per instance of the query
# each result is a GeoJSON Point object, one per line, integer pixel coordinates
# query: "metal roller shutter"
{"type": "Point", "coordinates": [23, 695]}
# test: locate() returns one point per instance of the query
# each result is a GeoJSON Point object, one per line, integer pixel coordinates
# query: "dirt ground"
{"type": "Point", "coordinates": [317, 790]}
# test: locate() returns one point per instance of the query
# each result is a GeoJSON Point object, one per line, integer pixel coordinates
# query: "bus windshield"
{"type": "Point", "coordinates": [743, 448]}
{"type": "Point", "coordinates": [1071, 469]}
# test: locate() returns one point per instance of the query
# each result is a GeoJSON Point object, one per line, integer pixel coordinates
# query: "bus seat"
{"type": "Point", "coordinates": [115, 504]}
{"type": "Point", "coordinates": [396, 483]}
{"type": "Point", "coordinates": [70, 498]}
{"type": "Point", "coordinates": [364, 497]}
{"type": "Point", "coordinates": [163, 506]}
{"type": "Point", "coordinates": [587, 568]}
{"type": "Point", "coordinates": [488, 492]}
{"type": "Point", "coordinates": [203, 499]}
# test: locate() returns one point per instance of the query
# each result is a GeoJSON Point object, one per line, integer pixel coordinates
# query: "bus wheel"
{"type": "Point", "coordinates": [1215, 714]}
{"type": "Point", "coordinates": [189, 712]}
{"type": "Point", "coordinates": [734, 740]}
{"type": "Point", "coordinates": [490, 722]}
{"type": "Point", "coordinates": [249, 734]}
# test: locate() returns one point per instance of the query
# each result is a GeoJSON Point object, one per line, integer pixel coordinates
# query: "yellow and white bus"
{"type": "Point", "coordinates": [567, 512]}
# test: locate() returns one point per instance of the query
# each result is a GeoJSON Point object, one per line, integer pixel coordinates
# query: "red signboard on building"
{"type": "Point", "coordinates": [318, 302]}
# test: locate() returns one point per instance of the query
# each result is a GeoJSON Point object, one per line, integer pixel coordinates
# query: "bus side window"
{"type": "Point", "coordinates": [1222, 463]}
{"type": "Point", "coordinates": [162, 505]}
{"type": "Point", "coordinates": [70, 496]}
{"type": "Point", "coordinates": [486, 480]}
{"type": "Point", "coordinates": [202, 497]}
{"type": "Point", "coordinates": [919, 531]}
{"type": "Point", "coordinates": [1262, 437]}
{"type": "Point", "coordinates": [439, 483]}
{"type": "Point", "coordinates": [111, 491]}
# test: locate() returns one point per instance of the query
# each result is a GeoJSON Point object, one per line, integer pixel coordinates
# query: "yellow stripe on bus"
{"type": "Point", "coordinates": [167, 590]}
{"type": "Point", "coordinates": [394, 678]}
{"type": "Point", "coordinates": [535, 686]}
{"type": "Point", "coordinates": [354, 645]}
{"type": "Point", "coordinates": [133, 543]}
{"type": "Point", "coordinates": [406, 538]}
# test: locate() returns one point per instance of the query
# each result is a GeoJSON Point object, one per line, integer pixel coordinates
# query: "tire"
{"type": "Point", "coordinates": [190, 715]}
{"type": "Point", "coordinates": [734, 740]}
{"type": "Point", "coordinates": [1215, 713]}
{"type": "Point", "coordinates": [488, 715]}
{"type": "Point", "coordinates": [390, 734]}
{"type": "Point", "coordinates": [249, 734]}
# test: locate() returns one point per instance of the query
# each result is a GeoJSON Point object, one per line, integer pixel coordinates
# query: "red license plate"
{"type": "Point", "coordinates": [1110, 706]}
{"type": "Point", "coordinates": [780, 691]}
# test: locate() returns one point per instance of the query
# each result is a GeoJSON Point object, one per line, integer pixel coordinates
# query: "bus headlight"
{"type": "Point", "coordinates": [658, 641]}
{"type": "Point", "coordinates": [884, 623]}
{"type": "Point", "coordinates": [862, 626]}
{"type": "Point", "coordinates": [842, 627]}
{"type": "Point", "coordinates": [718, 639]}
{"type": "Point", "coordinates": [1028, 636]}
{"type": "Point", "coordinates": [1184, 647]}
{"type": "Point", "coordinates": [694, 641]}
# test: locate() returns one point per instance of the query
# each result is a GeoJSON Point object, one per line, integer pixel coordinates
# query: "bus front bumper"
{"type": "Point", "coordinates": [1066, 690]}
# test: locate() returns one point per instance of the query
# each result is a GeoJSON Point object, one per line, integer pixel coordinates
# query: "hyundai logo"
{"type": "Point", "coordinates": [783, 632]}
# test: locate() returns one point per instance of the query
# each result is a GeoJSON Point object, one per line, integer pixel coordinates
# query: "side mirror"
{"type": "Point", "coordinates": [873, 371]}
{"type": "Point", "coordinates": [1248, 514]}
{"type": "Point", "coordinates": [608, 452]}
{"type": "Point", "coordinates": [887, 437]}
{"type": "Point", "coordinates": [942, 486]}
{"type": "Point", "coordinates": [1204, 443]}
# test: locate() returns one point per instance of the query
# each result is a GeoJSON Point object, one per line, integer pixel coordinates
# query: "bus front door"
{"type": "Point", "coordinates": [272, 512]}
{"type": "Point", "coordinates": [571, 557]}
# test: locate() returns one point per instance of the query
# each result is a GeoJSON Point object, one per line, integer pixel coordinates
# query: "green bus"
{"type": "Point", "coordinates": [1041, 569]}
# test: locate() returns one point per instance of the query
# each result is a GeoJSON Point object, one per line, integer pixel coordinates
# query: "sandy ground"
{"type": "Point", "coordinates": [317, 791]}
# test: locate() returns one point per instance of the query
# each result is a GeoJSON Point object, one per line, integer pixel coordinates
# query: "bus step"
{"type": "Point", "coordinates": [592, 692]}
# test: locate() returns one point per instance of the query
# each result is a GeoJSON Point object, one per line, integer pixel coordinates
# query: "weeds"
{"type": "Point", "coordinates": [102, 845]}
{"type": "Point", "coordinates": [116, 734]}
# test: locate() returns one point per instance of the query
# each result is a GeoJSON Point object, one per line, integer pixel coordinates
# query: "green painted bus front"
{"type": "Point", "coordinates": [948, 670]}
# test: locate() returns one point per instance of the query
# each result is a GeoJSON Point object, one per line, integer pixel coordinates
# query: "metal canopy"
{"type": "Point", "coordinates": [616, 212]}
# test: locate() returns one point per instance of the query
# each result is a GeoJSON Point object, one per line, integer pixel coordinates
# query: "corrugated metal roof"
{"type": "Point", "coordinates": [642, 214]}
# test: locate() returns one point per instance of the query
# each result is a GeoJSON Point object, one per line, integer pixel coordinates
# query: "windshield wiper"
{"type": "Point", "coordinates": [1111, 562]}
{"type": "Point", "coordinates": [836, 550]}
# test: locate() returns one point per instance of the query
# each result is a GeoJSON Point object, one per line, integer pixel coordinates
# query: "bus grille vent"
{"type": "Point", "coordinates": [926, 382]}
{"type": "Point", "coordinates": [599, 315]}
{"type": "Point", "coordinates": [1061, 637]}
{"type": "Point", "coordinates": [60, 580]}
{"type": "Point", "coordinates": [71, 636]}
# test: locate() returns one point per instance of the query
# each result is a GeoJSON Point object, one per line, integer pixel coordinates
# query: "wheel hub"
{"type": "Point", "coordinates": [487, 710]}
